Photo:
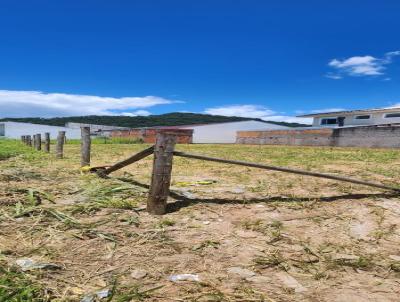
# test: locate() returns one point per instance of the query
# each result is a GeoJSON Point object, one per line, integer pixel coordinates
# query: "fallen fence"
{"type": "Point", "coordinates": [163, 152]}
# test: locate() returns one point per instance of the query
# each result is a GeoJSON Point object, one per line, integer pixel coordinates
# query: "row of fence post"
{"type": "Point", "coordinates": [35, 141]}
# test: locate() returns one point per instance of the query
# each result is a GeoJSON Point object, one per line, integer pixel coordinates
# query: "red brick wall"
{"type": "Point", "coordinates": [185, 136]}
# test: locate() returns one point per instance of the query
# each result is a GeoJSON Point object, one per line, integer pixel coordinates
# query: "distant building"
{"type": "Point", "coordinates": [225, 133]}
{"type": "Point", "coordinates": [16, 130]}
{"type": "Point", "coordinates": [354, 128]}
{"type": "Point", "coordinates": [217, 133]}
{"type": "Point", "coordinates": [95, 129]}
{"type": "Point", "coordinates": [362, 117]}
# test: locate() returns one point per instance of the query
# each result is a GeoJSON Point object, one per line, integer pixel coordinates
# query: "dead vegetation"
{"type": "Point", "coordinates": [249, 235]}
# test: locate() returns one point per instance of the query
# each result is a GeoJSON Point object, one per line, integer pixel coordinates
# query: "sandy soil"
{"type": "Point", "coordinates": [249, 235]}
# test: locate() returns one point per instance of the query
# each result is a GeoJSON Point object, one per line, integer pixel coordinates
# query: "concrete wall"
{"type": "Point", "coordinates": [225, 133]}
{"type": "Point", "coordinates": [309, 137]}
{"type": "Point", "coordinates": [16, 130]}
{"type": "Point", "coordinates": [372, 136]}
{"type": "Point", "coordinates": [383, 136]}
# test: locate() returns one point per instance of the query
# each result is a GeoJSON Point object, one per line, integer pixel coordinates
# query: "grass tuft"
{"type": "Point", "coordinates": [18, 287]}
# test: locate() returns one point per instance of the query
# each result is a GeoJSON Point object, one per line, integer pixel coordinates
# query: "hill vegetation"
{"type": "Point", "coordinates": [169, 119]}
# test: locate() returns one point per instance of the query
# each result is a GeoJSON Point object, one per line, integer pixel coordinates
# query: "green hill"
{"type": "Point", "coordinates": [168, 119]}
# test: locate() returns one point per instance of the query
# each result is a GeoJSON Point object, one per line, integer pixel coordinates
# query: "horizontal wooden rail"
{"type": "Point", "coordinates": [287, 170]}
{"type": "Point", "coordinates": [134, 158]}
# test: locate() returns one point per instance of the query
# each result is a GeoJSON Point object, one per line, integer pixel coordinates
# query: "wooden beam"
{"type": "Point", "coordinates": [287, 170]}
{"type": "Point", "coordinates": [85, 146]}
{"type": "Point", "coordinates": [134, 158]}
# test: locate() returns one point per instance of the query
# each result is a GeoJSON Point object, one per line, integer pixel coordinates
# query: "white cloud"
{"type": "Point", "coordinates": [40, 104]}
{"type": "Point", "coordinates": [255, 111]}
{"type": "Point", "coordinates": [396, 105]}
{"type": "Point", "coordinates": [333, 76]}
{"type": "Point", "coordinates": [361, 65]}
{"type": "Point", "coordinates": [136, 113]}
{"type": "Point", "coordinates": [366, 65]}
{"type": "Point", "coordinates": [241, 110]}
{"type": "Point", "coordinates": [389, 55]}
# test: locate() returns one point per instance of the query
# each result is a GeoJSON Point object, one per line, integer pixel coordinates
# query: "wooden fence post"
{"type": "Point", "coordinates": [39, 142]}
{"type": "Point", "coordinates": [35, 142]}
{"type": "Point", "coordinates": [60, 144]}
{"type": "Point", "coordinates": [23, 138]}
{"type": "Point", "coordinates": [85, 146]}
{"type": "Point", "coordinates": [47, 142]}
{"type": "Point", "coordinates": [161, 176]}
{"type": "Point", "coordinates": [29, 140]}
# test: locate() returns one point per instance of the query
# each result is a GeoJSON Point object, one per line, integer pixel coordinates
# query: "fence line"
{"type": "Point", "coordinates": [164, 152]}
{"type": "Point", "coordinates": [287, 170]}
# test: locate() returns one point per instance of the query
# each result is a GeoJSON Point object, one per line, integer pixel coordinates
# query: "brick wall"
{"type": "Point", "coordinates": [384, 136]}
{"type": "Point", "coordinates": [185, 136]}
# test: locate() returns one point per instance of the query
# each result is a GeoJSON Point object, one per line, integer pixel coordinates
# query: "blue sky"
{"type": "Point", "coordinates": [268, 59]}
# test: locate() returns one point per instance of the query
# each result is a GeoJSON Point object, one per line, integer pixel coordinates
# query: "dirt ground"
{"type": "Point", "coordinates": [248, 234]}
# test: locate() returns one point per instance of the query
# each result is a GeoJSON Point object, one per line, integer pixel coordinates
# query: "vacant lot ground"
{"type": "Point", "coordinates": [249, 235]}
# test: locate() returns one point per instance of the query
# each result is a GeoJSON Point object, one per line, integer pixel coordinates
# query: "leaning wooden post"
{"type": "Point", "coordinates": [85, 146]}
{"type": "Point", "coordinates": [60, 144]}
{"type": "Point", "coordinates": [161, 176]}
{"type": "Point", "coordinates": [47, 142]}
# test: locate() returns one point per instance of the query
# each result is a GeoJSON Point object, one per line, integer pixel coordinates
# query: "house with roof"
{"type": "Point", "coordinates": [377, 128]}
{"type": "Point", "coordinates": [377, 116]}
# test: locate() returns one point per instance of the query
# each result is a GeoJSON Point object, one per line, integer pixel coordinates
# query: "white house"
{"type": "Point", "coordinates": [377, 116]}
{"type": "Point", "coordinates": [16, 130]}
{"type": "Point", "coordinates": [225, 133]}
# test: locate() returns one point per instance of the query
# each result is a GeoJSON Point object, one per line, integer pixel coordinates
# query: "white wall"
{"type": "Point", "coordinates": [225, 133]}
{"type": "Point", "coordinates": [16, 130]}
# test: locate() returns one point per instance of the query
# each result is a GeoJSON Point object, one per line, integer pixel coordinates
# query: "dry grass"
{"type": "Point", "coordinates": [221, 216]}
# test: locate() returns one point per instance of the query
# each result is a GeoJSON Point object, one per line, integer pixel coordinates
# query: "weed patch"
{"type": "Point", "coordinates": [17, 287]}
